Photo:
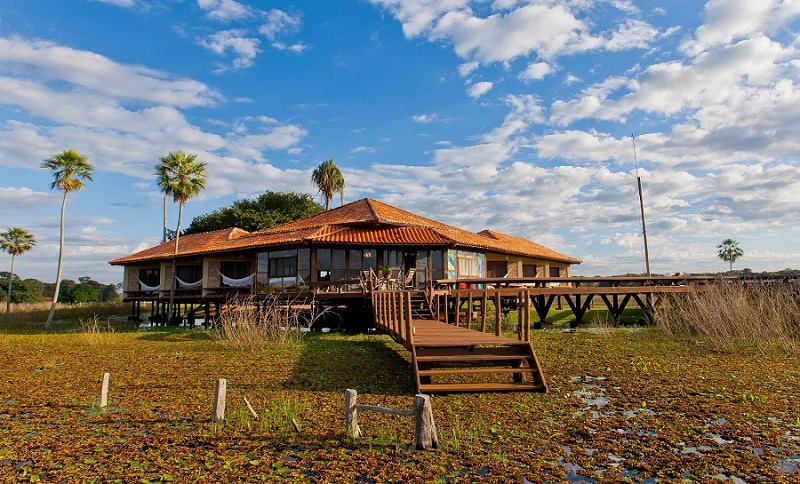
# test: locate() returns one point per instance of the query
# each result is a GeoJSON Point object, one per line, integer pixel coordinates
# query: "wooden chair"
{"type": "Point", "coordinates": [410, 282]}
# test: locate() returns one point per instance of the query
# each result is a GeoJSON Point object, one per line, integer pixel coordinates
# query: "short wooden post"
{"type": "Point", "coordinates": [104, 390]}
{"type": "Point", "coordinates": [351, 414]}
{"type": "Point", "coordinates": [424, 426]}
{"type": "Point", "coordinates": [219, 399]}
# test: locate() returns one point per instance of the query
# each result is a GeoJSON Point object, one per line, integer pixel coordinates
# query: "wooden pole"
{"type": "Point", "coordinates": [351, 414]}
{"type": "Point", "coordinates": [250, 408]}
{"type": "Point", "coordinates": [219, 399]}
{"type": "Point", "coordinates": [104, 390]}
{"type": "Point", "coordinates": [424, 426]}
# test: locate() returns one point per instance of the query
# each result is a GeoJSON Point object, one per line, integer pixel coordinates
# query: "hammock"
{"type": "Point", "coordinates": [189, 285]}
{"type": "Point", "coordinates": [243, 282]}
{"type": "Point", "coordinates": [145, 287]}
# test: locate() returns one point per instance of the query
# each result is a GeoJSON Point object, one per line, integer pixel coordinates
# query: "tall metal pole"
{"type": "Point", "coordinates": [641, 207]}
{"type": "Point", "coordinates": [164, 237]}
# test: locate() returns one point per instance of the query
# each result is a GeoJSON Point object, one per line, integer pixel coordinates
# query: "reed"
{"type": "Point", "coordinates": [731, 317]}
{"type": "Point", "coordinates": [247, 323]}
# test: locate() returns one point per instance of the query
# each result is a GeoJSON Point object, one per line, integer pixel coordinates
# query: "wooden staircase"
{"type": "Point", "coordinates": [449, 359]}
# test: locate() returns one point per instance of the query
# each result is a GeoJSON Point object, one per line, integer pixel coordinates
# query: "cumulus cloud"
{"type": "Point", "coordinates": [546, 30]}
{"type": "Point", "coordinates": [244, 48]}
{"type": "Point", "coordinates": [479, 89]}
{"type": "Point", "coordinates": [41, 61]}
{"type": "Point", "coordinates": [728, 21]}
{"type": "Point", "coordinates": [279, 23]}
{"type": "Point", "coordinates": [225, 10]}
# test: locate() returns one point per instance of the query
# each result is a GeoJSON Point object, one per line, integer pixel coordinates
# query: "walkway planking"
{"type": "Point", "coordinates": [448, 359]}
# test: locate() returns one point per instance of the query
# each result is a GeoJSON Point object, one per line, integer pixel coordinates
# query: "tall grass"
{"type": "Point", "coordinates": [732, 316]}
{"type": "Point", "coordinates": [248, 323]}
{"type": "Point", "coordinates": [31, 316]}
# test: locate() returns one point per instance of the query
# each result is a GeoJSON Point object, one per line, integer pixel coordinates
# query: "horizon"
{"type": "Point", "coordinates": [508, 115]}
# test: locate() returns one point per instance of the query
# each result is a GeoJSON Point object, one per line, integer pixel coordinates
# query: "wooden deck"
{"type": "Point", "coordinates": [448, 359]}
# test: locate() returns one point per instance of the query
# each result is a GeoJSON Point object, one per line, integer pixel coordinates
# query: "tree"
{"type": "Point", "coordinates": [15, 241]}
{"type": "Point", "coordinates": [329, 180]}
{"type": "Point", "coordinates": [182, 177]}
{"type": "Point", "coordinates": [84, 292]}
{"type": "Point", "coordinates": [69, 169]}
{"type": "Point", "coordinates": [729, 251]}
{"type": "Point", "coordinates": [267, 210]}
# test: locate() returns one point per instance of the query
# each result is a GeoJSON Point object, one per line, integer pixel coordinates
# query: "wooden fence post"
{"type": "Point", "coordinates": [424, 426]}
{"type": "Point", "coordinates": [104, 390]}
{"type": "Point", "coordinates": [219, 399]}
{"type": "Point", "coordinates": [351, 414]}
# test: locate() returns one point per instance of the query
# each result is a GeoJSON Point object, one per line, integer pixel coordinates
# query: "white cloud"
{"type": "Point", "coordinates": [244, 48]}
{"type": "Point", "coordinates": [467, 68]}
{"type": "Point", "coordinates": [728, 21]}
{"type": "Point", "coordinates": [546, 29]}
{"type": "Point", "coordinates": [536, 71]}
{"type": "Point", "coordinates": [479, 89]}
{"type": "Point", "coordinates": [278, 23]}
{"type": "Point", "coordinates": [225, 10]}
{"type": "Point", "coordinates": [119, 3]}
{"type": "Point", "coordinates": [42, 61]}
{"type": "Point", "coordinates": [425, 118]}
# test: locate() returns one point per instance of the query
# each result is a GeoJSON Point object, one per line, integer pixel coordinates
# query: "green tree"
{"type": "Point", "coordinates": [110, 293]}
{"type": "Point", "coordinates": [69, 169]}
{"type": "Point", "coordinates": [267, 210]}
{"type": "Point", "coordinates": [84, 292]}
{"type": "Point", "coordinates": [15, 241]}
{"type": "Point", "coordinates": [729, 251]}
{"type": "Point", "coordinates": [329, 180]}
{"type": "Point", "coordinates": [182, 177]}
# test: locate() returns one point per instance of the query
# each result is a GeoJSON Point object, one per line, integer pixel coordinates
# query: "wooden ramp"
{"type": "Point", "coordinates": [449, 359]}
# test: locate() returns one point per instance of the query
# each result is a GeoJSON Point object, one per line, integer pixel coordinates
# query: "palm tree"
{"type": "Point", "coordinates": [729, 251]}
{"type": "Point", "coordinates": [69, 169]}
{"type": "Point", "coordinates": [329, 180]}
{"type": "Point", "coordinates": [15, 241]}
{"type": "Point", "coordinates": [181, 177]}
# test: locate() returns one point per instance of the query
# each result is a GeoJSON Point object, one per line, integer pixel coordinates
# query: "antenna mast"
{"type": "Point", "coordinates": [641, 207]}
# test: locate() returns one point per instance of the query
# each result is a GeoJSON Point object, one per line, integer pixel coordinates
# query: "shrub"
{"type": "Point", "coordinates": [735, 316]}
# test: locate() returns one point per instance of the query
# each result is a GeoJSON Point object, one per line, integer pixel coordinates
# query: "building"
{"type": "Point", "coordinates": [338, 255]}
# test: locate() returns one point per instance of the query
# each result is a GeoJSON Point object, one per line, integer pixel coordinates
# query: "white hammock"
{"type": "Point", "coordinates": [189, 285]}
{"type": "Point", "coordinates": [243, 282]}
{"type": "Point", "coordinates": [145, 287]}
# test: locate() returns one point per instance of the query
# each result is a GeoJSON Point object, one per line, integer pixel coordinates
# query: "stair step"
{"type": "Point", "coordinates": [474, 370]}
{"type": "Point", "coordinates": [470, 357]}
{"type": "Point", "coordinates": [481, 387]}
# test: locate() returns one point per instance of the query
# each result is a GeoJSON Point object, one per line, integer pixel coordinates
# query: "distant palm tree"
{"type": "Point", "coordinates": [729, 251]}
{"type": "Point", "coordinates": [329, 180]}
{"type": "Point", "coordinates": [15, 241]}
{"type": "Point", "coordinates": [69, 169]}
{"type": "Point", "coordinates": [181, 177]}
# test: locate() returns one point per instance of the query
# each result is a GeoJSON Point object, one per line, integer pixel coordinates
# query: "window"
{"type": "Point", "coordinates": [150, 277]}
{"type": "Point", "coordinates": [331, 264]}
{"type": "Point", "coordinates": [529, 270]}
{"type": "Point", "coordinates": [190, 274]}
{"type": "Point", "coordinates": [360, 259]}
{"type": "Point", "coordinates": [281, 269]}
{"type": "Point", "coordinates": [233, 270]}
{"type": "Point", "coordinates": [393, 259]}
{"type": "Point", "coordinates": [437, 264]}
{"type": "Point", "coordinates": [496, 268]}
{"type": "Point", "coordinates": [555, 272]}
{"type": "Point", "coordinates": [468, 265]}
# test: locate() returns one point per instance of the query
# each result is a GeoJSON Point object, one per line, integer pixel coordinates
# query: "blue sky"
{"type": "Point", "coordinates": [510, 115]}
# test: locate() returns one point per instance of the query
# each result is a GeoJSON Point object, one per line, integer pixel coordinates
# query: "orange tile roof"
{"type": "Point", "coordinates": [363, 222]}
